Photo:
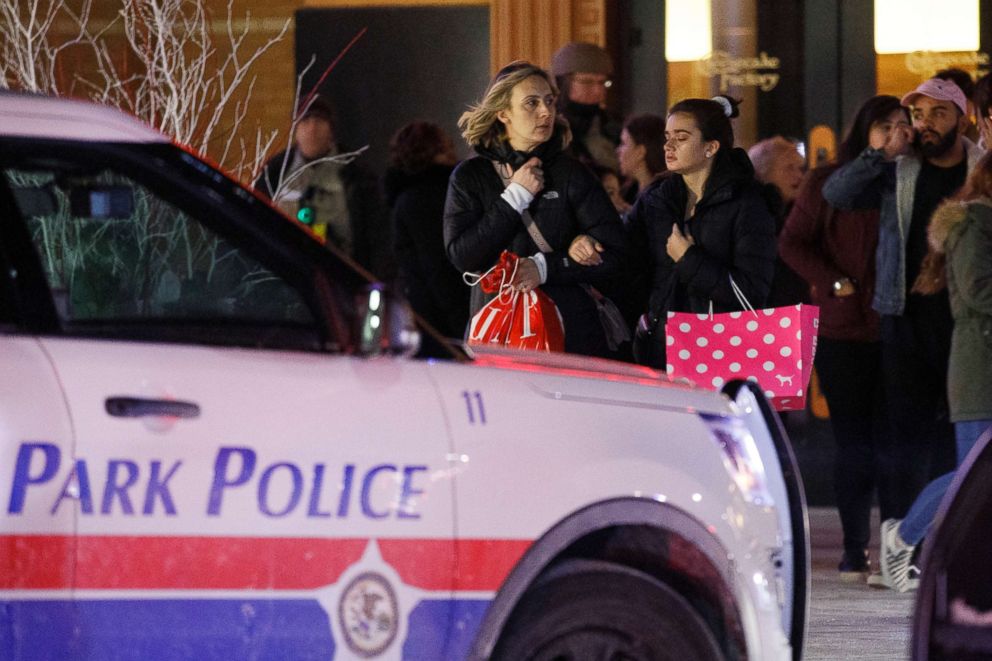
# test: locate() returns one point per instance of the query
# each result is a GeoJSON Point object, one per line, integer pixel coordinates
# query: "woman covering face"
{"type": "Point", "coordinates": [701, 227]}
{"type": "Point", "coordinates": [520, 172]}
{"type": "Point", "coordinates": [834, 251]}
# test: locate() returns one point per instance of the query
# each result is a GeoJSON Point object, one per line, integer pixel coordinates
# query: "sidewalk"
{"type": "Point", "coordinates": [851, 620]}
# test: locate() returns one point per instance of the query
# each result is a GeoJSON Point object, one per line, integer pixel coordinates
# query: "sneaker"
{"type": "Point", "coordinates": [876, 580]}
{"type": "Point", "coordinates": [894, 557]}
{"type": "Point", "coordinates": [854, 567]}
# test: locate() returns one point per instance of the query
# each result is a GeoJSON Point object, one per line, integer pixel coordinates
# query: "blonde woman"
{"type": "Point", "coordinates": [520, 172]}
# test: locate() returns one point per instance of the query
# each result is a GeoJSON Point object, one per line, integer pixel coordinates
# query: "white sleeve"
{"type": "Point", "coordinates": [517, 196]}
{"type": "Point", "coordinates": [542, 266]}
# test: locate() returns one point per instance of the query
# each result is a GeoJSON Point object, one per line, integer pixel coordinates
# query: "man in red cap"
{"type": "Point", "coordinates": [906, 179]}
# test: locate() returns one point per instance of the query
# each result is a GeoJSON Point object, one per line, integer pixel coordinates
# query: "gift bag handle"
{"type": "Point", "coordinates": [473, 279]}
{"type": "Point", "coordinates": [741, 298]}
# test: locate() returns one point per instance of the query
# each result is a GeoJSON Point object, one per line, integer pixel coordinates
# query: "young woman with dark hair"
{"type": "Point", "coordinates": [701, 228]}
{"type": "Point", "coordinates": [834, 251]}
{"type": "Point", "coordinates": [641, 153]}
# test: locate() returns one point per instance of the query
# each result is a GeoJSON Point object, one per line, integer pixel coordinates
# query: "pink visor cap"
{"type": "Point", "coordinates": [941, 90]}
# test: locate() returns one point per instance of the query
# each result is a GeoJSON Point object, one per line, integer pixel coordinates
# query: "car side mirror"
{"type": "Point", "coordinates": [385, 323]}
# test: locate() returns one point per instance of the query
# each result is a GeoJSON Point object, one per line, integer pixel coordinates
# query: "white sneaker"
{"type": "Point", "coordinates": [894, 558]}
{"type": "Point", "coordinates": [876, 580]}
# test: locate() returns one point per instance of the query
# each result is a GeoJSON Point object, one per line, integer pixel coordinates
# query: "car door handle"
{"type": "Point", "coordinates": [138, 407]}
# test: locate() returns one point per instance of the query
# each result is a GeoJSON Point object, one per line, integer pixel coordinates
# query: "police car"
{"type": "Point", "coordinates": [215, 443]}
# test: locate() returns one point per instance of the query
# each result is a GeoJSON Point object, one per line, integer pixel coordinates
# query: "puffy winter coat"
{"type": "Point", "coordinates": [479, 224]}
{"type": "Point", "coordinates": [734, 236]}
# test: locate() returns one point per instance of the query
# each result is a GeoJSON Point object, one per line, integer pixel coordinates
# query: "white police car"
{"type": "Point", "coordinates": [214, 444]}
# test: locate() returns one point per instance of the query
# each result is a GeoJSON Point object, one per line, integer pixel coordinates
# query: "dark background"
{"type": "Point", "coordinates": [425, 63]}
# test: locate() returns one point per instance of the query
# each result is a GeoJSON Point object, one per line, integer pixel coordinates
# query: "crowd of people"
{"type": "Point", "coordinates": [892, 240]}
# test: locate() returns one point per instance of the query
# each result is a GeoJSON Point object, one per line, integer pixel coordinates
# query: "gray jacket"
{"type": "Point", "coordinates": [866, 182]}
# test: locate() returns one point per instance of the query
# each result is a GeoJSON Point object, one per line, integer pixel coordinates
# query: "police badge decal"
{"type": "Point", "coordinates": [368, 613]}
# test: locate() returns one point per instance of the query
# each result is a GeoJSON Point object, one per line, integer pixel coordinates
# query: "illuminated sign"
{"type": "Point", "coordinates": [760, 71]}
{"type": "Point", "coordinates": [927, 63]}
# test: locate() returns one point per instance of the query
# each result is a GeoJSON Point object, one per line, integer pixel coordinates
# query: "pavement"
{"type": "Point", "coordinates": [851, 620]}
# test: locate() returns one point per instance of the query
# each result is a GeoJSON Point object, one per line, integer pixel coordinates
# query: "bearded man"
{"type": "Point", "coordinates": [906, 179]}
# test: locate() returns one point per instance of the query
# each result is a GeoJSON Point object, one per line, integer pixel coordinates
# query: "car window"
{"type": "Point", "coordinates": [114, 250]}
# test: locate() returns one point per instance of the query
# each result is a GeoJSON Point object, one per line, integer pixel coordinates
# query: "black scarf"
{"type": "Point", "coordinates": [502, 152]}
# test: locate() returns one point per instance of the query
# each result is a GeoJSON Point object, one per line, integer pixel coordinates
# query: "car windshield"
{"type": "Point", "coordinates": [134, 235]}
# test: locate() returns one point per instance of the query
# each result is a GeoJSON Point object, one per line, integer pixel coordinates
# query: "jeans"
{"type": "Point", "coordinates": [917, 522]}
{"type": "Point", "coordinates": [850, 375]}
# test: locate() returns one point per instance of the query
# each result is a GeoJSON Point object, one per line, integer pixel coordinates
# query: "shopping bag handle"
{"type": "Point", "coordinates": [473, 279]}
{"type": "Point", "coordinates": [741, 298]}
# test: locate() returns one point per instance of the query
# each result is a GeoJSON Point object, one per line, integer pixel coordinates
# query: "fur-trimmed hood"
{"type": "Point", "coordinates": [948, 215]}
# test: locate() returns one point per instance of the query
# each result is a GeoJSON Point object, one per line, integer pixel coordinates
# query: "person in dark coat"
{"type": "Point", "coordinates": [960, 238]}
{"type": "Point", "coordinates": [779, 167]}
{"type": "Point", "coordinates": [421, 161]}
{"type": "Point", "coordinates": [520, 167]}
{"type": "Point", "coordinates": [701, 226]}
{"type": "Point", "coordinates": [834, 250]}
{"type": "Point", "coordinates": [341, 202]}
{"type": "Point", "coordinates": [582, 74]}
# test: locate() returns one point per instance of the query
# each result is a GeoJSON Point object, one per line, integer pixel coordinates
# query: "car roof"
{"type": "Point", "coordinates": [41, 116]}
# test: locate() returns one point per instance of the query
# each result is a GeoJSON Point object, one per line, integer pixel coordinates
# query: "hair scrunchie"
{"type": "Point", "coordinates": [728, 109]}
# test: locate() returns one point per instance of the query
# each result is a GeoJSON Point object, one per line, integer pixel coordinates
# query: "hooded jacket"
{"type": "Point", "coordinates": [964, 232]}
{"type": "Point", "coordinates": [479, 224]}
{"type": "Point", "coordinates": [734, 235]}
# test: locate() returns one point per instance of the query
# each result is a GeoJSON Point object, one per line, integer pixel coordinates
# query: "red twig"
{"type": "Point", "coordinates": [313, 90]}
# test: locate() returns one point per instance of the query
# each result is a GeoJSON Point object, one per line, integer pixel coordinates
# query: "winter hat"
{"type": "Point", "coordinates": [576, 57]}
{"type": "Point", "coordinates": [941, 90]}
{"type": "Point", "coordinates": [317, 107]}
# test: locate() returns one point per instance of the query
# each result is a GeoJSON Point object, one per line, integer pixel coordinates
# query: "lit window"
{"type": "Point", "coordinates": [907, 26]}
{"type": "Point", "coordinates": [688, 34]}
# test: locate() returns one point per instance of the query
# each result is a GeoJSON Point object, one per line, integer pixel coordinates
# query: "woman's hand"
{"type": "Point", "coordinates": [897, 142]}
{"type": "Point", "coordinates": [530, 176]}
{"type": "Point", "coordinates": [585, 250]}
{"type": "Point", "coordinates": [678, 243]}
{"type": "Point", "coordinates": [985, 130]}
{"type": "Point", "coordinates": [528, 276]}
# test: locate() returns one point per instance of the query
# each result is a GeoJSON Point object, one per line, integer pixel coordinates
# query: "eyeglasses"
{"type": "Point", "coordinates": [592, 81]}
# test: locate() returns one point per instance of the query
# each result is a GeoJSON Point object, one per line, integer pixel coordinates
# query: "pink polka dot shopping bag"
{"type": "Point", "coordinates": [773, 347]}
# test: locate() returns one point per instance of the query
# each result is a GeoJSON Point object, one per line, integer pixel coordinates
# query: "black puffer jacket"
{"type": "Point", "coordinates": [479, 224]}
{"type": "Point", "coordinates": [734, 236]}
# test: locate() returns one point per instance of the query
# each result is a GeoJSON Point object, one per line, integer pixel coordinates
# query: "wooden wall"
{"type": "Point", "coordinates": [519, 29]}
